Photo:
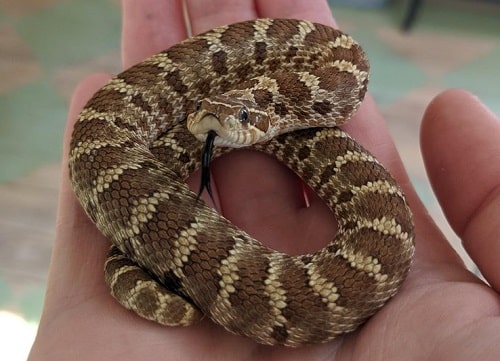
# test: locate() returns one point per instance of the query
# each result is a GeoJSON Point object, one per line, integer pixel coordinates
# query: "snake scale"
{"type": "Point", "coordinates": [281, 87]}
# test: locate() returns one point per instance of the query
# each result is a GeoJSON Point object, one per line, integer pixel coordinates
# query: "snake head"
{"type": "Point", "coordinates": [233, 116]}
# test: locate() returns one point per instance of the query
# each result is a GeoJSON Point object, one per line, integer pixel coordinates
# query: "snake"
{"type": "Point", "coordinates": [278, 86]}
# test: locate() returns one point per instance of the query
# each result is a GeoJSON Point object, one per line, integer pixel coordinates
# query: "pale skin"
{"type": "Point", "coordinates": [443, 312]}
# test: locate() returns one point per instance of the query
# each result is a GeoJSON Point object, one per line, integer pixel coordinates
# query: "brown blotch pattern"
{"type": "Point", "coordinates": [172, 247]}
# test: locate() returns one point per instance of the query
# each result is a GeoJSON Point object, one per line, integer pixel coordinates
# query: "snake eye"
{"type": "Point", "coordinates": [198, 105]}
{"type": "Point", "coordinates": [243, 115]}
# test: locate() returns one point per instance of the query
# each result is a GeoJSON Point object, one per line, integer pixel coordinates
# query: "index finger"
{"type": "Point", "coordinates": [150, 26]}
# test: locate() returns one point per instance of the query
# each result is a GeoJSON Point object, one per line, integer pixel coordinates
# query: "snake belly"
{"type": "Point", "coordinates": [174, 259]}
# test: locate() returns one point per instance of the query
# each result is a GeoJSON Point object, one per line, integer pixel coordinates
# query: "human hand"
{"type": "Point", "coordinates": [443, 312]}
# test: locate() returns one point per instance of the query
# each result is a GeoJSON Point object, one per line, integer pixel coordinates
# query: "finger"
{"type": "Point", "coordinates": [150, 26]}
{"type": "Point", "coordinates": [205, 15]}
{"type": "Point", "coordinates": [316, 10]}
{"type": "Point", "coordinates": [79, 248]}
{"type": "Point", "coordinates": [459, 139]}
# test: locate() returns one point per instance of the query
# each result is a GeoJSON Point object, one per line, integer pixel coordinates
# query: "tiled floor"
{"type": "Point", "coordinates": [46, 46]}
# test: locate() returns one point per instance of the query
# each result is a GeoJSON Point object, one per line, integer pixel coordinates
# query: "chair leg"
{"type": "Point", "coordinates": [411, 14]}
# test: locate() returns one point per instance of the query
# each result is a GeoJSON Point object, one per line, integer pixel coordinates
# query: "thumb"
{"type": "Point", "coordinates": [460, 140]}
{"type": "Point", "coordinates": [77, 254]}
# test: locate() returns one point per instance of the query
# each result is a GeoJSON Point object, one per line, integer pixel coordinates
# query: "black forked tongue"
{"type": "Point", "coordinates": [206, 158]}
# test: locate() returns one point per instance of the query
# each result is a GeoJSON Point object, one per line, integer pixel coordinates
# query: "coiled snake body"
{"type": "Point", "coordinates": [173, 258]}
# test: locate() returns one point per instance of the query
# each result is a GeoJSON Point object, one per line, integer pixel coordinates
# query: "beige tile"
{"type": "Point", "coordinates": [17, 64]}
{"type": "Point", "coordinates": [30, 203]}
{"type": "Point", "coordinates": [66, 79]}
{"type": "Point", "coordinates": [24, 253]}
{"type": "Point", "coordinates": [27, 223]}
{"type": "Point", "coordinates": [46, 177]}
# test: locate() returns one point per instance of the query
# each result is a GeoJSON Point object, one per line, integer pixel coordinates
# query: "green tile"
{"type": "Point", "coordinates": [392, 76]}
{"type": "Point", "coordinates": [27, 303]}
{"type": "Point", "coordinates": [71, 32]}
{"type": "Point", "coordinates": [31, 304]}
{"type": "Point", "coordinates": [32, 120]}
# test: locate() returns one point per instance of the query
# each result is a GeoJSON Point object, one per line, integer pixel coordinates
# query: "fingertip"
{"type": "Point", "coordinates": [316, 11]}
{"type": "Point", "coordinates": [220, 12]}
{"type": "Point", "coordinates": [445, 104]}
{"type": "Point", "coordinates": [86, 88]}
{"type": "Point", "coordinates": [458, 137]}
{"type": "Point", "coordinates": [84, 91]}
{"type": "Point", "coordinates": [82, 94]}
{"type": "Point", "coordinates": [458, 96]}
{"type": "Point", "coordinates": [150, 26]}
{"type": "Point", "coordinates": [450, 109]}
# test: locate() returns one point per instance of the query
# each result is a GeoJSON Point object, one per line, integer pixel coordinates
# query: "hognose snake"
{"type": "Point", "coordinates": [173, 258]}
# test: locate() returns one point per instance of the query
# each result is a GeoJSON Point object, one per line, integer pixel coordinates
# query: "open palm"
{"type": "Point", "coordinates": [443, 312]}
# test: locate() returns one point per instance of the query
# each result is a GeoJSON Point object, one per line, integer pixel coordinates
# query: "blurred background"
{"type": "Point", "coordinates": [416, 48]}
